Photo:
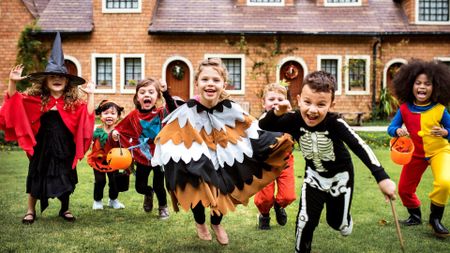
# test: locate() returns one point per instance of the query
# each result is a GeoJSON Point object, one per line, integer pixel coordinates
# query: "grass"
{"type": "Point", "coordinates": [133, 230]}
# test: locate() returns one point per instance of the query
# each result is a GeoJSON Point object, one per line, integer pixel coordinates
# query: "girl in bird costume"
{"type": "Point", "coordinates": [214, 154]}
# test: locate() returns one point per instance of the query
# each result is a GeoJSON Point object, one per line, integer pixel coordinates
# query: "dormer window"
{"type": "Point", "coordinates": [432, 11]}
{"type": "Point", "coordinates": [339, 3]}
{"type": "Point", "coordinates": [121, 6]}
{"type": "Point", "coordinates": [266, 2]}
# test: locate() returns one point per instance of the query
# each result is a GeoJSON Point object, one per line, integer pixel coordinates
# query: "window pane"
{"type": "Point", "coordinates": [265, 1]}
{"type": "Point", "coordinates": [330, 66]}
{"type": "Point", "coordinates": [104, 72]}
{"type": "Point", "coordinates": [434, 10]}
{"type": "Point", "coordinates": [122, 4]}
{"type": "Point", "coordinates": [357, 74]}
{"type": "Point", "coordinates": [132, 71]}
{"type": "Point", "coordinates": [234, 73]}
{"type": "Point", "coordinates": [342, 1]}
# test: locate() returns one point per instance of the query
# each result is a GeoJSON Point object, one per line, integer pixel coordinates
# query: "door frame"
{"type": "Point", "coordinates": [191, 71]}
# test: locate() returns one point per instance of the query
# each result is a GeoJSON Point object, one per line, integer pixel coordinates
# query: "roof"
{"type": "Point", "coordinates": [67, 16]}
{"type": "Point", "coordinates": [379, 17]}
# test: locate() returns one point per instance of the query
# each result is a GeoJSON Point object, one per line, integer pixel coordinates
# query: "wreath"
{"type": "Point", "coordinates": [178, 72]}
{"type": "Point", "coordinates": [291, 72]}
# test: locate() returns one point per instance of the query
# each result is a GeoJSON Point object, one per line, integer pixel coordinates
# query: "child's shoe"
{"type": "Point", "coordinates": [115, 203]}
{"type": "Point", "coordinates": [280, 214]}
{"type": "Point", "coordinates": [148, 203]}
{"type": "Point", "coordinates": [203, 232]}
{"type": "Point", "coordinates": [163, 212]}
{"type": "Point", "coordinates": [263, 222]}
{"type": "Point", "coordinates": [347, 230]}
{"type": "Point", "coordinates": [97, 205]}
{"type": "Point", "coordinates": [221, 234]}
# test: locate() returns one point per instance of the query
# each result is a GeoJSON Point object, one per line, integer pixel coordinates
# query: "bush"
{"type": "Point", "coordinates": [375, 139]}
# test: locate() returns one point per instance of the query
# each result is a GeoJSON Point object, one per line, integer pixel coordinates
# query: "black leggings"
{"type": "Point", "coordinates": [64, 202]}
{"type": "Point", "coordinates": [141, 184]}
{"type": "Point", "coordinates": [200, 218]}
{"type": "Point", "coordinates": [100, 183]}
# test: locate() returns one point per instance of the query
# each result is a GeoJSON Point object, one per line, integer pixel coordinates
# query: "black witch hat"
{"type": "Point", "coordinates": [55, 66]}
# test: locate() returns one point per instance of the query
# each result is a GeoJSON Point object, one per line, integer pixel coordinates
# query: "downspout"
{"type": "Point", "coordinates": [374, 73]}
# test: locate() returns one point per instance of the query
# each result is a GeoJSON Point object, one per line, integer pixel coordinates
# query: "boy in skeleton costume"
{"type": "Point", "coordinates": [322, 136]}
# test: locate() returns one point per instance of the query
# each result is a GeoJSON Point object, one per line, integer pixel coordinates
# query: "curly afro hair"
{"type": "Point", "coordinates": [437, 72]}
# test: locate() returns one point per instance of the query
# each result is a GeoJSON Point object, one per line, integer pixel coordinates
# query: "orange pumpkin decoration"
{"type": "Point", "coordinates": [119, 158]}
{"type": "Point", "coordinates": [402, 149]}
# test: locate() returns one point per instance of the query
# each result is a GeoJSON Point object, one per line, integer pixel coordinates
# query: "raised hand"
{"type": "Point", "coordinates": [16, 73]}
{"type": "Point", "coordinates": [88, 88]}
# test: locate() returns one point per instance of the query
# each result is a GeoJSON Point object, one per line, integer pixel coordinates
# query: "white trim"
{"type": "Point", "coordinates": [76, 62]}
{"type": "Point", "coordinates": [229, 56]}
{"type": "Point", "coordinates": [282, 3]}
{"type": "Point", "coordinates": [339, 69]}
{"type": "Point", "coordinates": [122, 71]}
{"type": "Point", "coordinates": [326, 4]}
{"type": "Point", "coordinates": [94, 72]}
{"type": "Point", "coordinates": [106, 10]}
{"type": "Point", "coordinates": [443, 58]}
{"type": "Point", "coordinates": [191, 71]}
{"type": "Point", "coordinates": [299, 60]}
{"type": "Point", "coordinates": [367, 87]}
{"type": "Point", "coordinates": [416, 13]}
{"type": "Point", "coordinates": [388, 65]}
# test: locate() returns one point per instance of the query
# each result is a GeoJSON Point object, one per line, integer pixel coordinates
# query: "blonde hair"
{"type": "Point", "coordinates": [217, 65]}
{"type": "Point", "coordinates": [160, 102]}
{"type": "Point", "coordinates": [274, 87]}
{"type": "Point", "coordinates": [71, 94]}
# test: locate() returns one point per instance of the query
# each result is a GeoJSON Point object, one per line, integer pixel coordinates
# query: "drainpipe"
{"type": "Point", "coordinates": [374, 73]}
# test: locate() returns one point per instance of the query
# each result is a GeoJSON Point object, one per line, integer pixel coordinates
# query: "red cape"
{"type": "Point", "coordinates": [20, 114]}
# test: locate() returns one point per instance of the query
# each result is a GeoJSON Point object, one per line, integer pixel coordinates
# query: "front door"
{"type": "Point", "coordinates": [177, 78]}
{"type": "Point", "coordinates": [292, 73]}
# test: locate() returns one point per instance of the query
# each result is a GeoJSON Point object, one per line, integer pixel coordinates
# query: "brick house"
{"type": "Point", "coordinates": [115, 42]}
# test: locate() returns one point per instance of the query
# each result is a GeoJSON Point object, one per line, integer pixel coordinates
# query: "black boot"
{"type": "Point", "coordinates": [435, 221]}
{"type": "Point", "coordinates": [415, 217]}
{"type": "Point", "coordinates": [264, 222]}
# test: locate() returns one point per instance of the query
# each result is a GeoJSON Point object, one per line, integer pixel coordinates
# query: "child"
{"type": "Point", "coordinates": [213, 153]}
{"type": "Point", "coordinates": [329, 170]}
{"type": "Point", "coordinates": [137, 132]}
{"type": "Point", "coordinates": [109, 113]}
{"type": "Point", "coordinates": [264, 200]}
{"type": "Point", "coordinates": [423, 88]}
{"type": "Point", "coordinates": [53, 125]}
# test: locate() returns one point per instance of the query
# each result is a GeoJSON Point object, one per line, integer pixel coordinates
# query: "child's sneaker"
{"type": "Point", "coordinates": [263, 222]}
{"type": "Point", "coordinates": [114, 203]}
{"type": "Point", "coordinates": [97, 205]}
{"type": "Point", "coordinates": [280, 214]}
{"type": "Point", "coordinates": [163, 212]}
{"type": "Point", "coordinates": [347, 230]}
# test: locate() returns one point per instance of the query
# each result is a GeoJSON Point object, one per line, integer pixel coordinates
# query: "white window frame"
{"type": "Point", "coordinates": [228, 56]}
{"type": "Point", "coordinates": [122, 71]}
{"type": "Point", "coordinates": [367, 77]}
{"type": "Point", "coordinates": [282, 3]}
{"type": "Point", "coordinates": [339, 69]}
{"type": "Point", "coordinates": [106, 10]}
{"type": "Point", "coordinates": [327, 4]}
{"type": "Point", "coordinates": [443, 58]}
{"type": "Point", "coordinates": [429, 22]}
{"type": "Point", "coordinates": [94, 72]}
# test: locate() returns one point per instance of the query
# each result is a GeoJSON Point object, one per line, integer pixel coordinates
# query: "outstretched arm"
{"type": "Point", "coordinates": [89, 90]}
{"type": "Point", "coordinates": [14, 76]}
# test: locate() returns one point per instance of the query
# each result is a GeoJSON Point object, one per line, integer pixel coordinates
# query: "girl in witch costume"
{"type": "Point", "coordinates": [424, 90]}
{"type": "Point", "coordinates": [214, 154]}
{"type": "Point", "coordinates": [137, 132]}
{"type": "Point", "coordinates": [109, 112]}
{"type": "Point", "coordinates": [54, 127]}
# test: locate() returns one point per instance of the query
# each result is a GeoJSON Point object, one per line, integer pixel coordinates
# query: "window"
{"type": "Point", "coordinates": [131, 71]}
{"type": "Point", "coordinates": [103, 72]}
{"type": "Point", "coordinates": [266, 2]}
{"type": "Point", "coordinates": [121, 6]}
{"type": "Point", "coordinates": [333, 65]}
{"type": "Point", "coordinates": [342, 2]}
{"type": "Point", "coordinates": [432, 11]}
{"type": "Point", "coordinates": [445, 60]}
{"type": "Point", "coordinates": [235, 64]}
{"type": "Point", "coordinates": [357, 75]}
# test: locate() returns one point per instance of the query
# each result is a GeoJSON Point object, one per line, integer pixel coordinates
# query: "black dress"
{"type": "Point", "coordinates": [50, 172]}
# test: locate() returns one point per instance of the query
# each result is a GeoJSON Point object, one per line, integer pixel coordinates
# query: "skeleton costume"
{"type": "Point", "coordinates": [217, 157]}
{"type": "Point", "coordinates": [329, 171]}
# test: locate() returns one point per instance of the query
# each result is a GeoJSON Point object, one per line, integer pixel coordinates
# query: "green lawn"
{"type": "Point", "coordinates": [133, 230]}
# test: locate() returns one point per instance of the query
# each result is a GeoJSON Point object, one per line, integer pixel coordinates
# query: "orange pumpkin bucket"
{"type": "Point", "coordinates": [119, 158]}
{"type": "Point", "coordinates": [402, 149]}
